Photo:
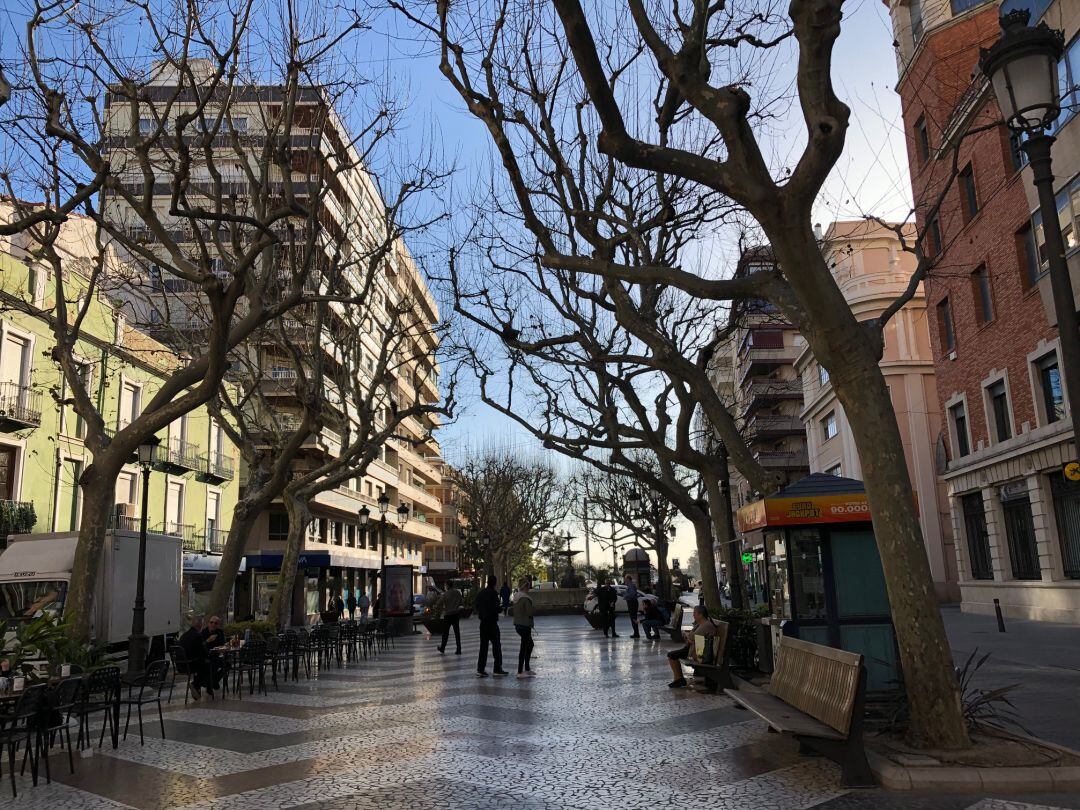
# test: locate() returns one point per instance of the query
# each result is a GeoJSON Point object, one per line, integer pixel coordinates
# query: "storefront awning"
{"type": "Point", "coordinates": [816, 499]}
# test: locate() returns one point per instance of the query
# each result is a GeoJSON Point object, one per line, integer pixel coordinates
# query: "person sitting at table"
{"type": "Point", "coordinates": [198, 656]}
{"type": "Point", "coordinates": [214, 636]}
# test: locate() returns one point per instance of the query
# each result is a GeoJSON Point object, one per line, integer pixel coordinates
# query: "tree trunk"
{"type": "Point", "coordinates": [849, 350]}
{"type": "Point", "coordinates": [245, 513]}
{"type": "Point", "coordinates": [281, 602]}
{"type": "Point", "coordinates": [932, 689]}
{"type": "Point", "coordinates": [662, 572]}
{"type": "Point", "coordinates": [720, 514]}
{"type": "Point", "coordinates": [98, 496]}
{"type": "Point", "coordinates": [710, 588]}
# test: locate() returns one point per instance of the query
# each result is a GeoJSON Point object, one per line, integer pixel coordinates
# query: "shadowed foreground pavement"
{"type": "Point", "coordinates": [412, 730]}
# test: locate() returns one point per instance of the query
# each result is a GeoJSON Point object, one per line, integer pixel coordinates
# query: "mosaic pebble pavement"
{"type": "Point", "coordinates": [412, 729]}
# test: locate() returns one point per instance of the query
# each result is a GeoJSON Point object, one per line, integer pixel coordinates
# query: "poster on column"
{"type": "Point", "coordinates": [397, 584]}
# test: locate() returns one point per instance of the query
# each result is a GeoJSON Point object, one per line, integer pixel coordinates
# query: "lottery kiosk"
{"type": "Point", "coordinates": [823, 572]}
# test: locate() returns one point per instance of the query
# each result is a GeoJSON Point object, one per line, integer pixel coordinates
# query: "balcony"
{"type": "Point", "coordinates": [760, 391]}
{"type": "Point", "coordinates": [215, 468]}
{"type": "Point", "coordinates": [773, 427]}
{"type": "Point", "coordinates": [419, 496]}
{"type": "Point", "coordinates": [20, 407]}
{"type": "Point", "coordinates": [785, 460]}
{"type": "Point", "coordinates": [212, 540]}
{"type": "Point", "coordinates": [179, 457]}
{"type": "Point", "coordinates": [185, 531]}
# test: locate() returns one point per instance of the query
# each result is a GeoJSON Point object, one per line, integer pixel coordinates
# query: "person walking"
{"type": "Point", "coordinates": [504, 595]}
{"type": "Point", "coordinates": [450, 606]}
{"type": "Point", "coordinates": [523, 624]}
{"type": "Point", "coordinates": [487, 610]}
{"type": "Point", "coordinates": [339, 606]}
{"type": "Point", "coordinates": [351, 604]}
{"type": "Point", "coordinates": [632, 604]}
{"type": "Point", "coordinates": [363, 603]}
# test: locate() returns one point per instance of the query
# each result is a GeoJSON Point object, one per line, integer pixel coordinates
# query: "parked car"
{"type": "Point", "coordinates": [690, 599]}
{"type": "Point", "coordinates": [620, 603]}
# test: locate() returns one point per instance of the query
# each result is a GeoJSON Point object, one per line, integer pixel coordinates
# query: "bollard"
{"type": "Point", "coordinates": [1000, 618]}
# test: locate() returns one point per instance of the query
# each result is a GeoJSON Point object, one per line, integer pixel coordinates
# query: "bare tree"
{"type": "Point", "coordinates": [509, 504]}
{"type": "Point", "coordinates": [197, 222]}
{"type": "Point", "coordinates": [699, 59]}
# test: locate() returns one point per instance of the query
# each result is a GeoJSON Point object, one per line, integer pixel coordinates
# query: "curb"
{"type": "Point", "coordinates": [944, 778]}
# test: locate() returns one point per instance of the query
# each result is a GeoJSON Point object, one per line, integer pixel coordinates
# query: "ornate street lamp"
{"type": "Point", "coordinates": [402, 515]}
{"type": "Point", "coordinates": [1022, 69]}
{"type": "Point", "coordinates": [634, 502]}
{"type": "Point", "coordinates": [138, 641]}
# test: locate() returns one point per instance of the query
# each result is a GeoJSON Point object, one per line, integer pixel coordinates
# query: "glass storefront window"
{"type": "Point", "coordinates": [808, 587]}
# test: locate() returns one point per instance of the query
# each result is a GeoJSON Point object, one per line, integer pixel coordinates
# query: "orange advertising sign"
{"type": "Point", "coordinates": [847, 508]}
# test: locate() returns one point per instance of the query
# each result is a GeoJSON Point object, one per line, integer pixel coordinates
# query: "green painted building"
{"type": "Point", "coordinates": [193, 486]}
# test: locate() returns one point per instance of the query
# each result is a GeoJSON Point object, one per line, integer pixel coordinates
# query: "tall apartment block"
{"type": "Point", "coordinates": [338, 555]}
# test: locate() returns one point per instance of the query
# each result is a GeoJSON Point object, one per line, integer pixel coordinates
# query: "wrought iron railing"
{"type": "Point", "coordinates": [20, 404]}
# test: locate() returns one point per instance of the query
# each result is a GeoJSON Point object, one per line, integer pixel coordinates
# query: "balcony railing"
{"type": "Point", "coordinates": [215, 467]}
{"type": "Point", "coordinates": [179, 457]}
{"type": "Point", "coordinates": [211, 540]}
{"type": "Point", "coordinates": [761, 426]}
{"type": "Point", "coordinates": [783, 459]}
{"type": "Point", "coordinates": [185, 531]}
{"type": "Point", "coordinates": [20, 406]}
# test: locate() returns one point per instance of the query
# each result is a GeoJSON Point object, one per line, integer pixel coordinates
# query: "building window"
{"type": "Point", "coordinates": [1020, 531]}
{"type": "Point", "coordinates": [960, 6]}
{"type": "Point", "coordinates": [835, 469]}
{"type": "Point", "coordinates": [946, 334]}
{"type": "Point", "coordinates": [1050, 390]}
{"type": "Point", "coordinates": [828, 425]}
{"type": "Point", "coordinates": [146, 126]}
{"type": "Point", "coordinates": [1068, 208]}
{"type": "Point", "coordinates": [1066, 496]}
{"type": "Point", "coordinates": [978, 539]}
{"type": "Point", "coordinates": [998, 397]}
{"type": "Point", "coordinates": [922, 140]}
{"type": "Point", "coordinates": [1027, 257]}
{"type": "Point", "coordinates": [969, 200]}
{"type": "Point", "coordinates": [932, 239]}
{"type": "Point", "coordinates": [958, 417]}
{"type": "Point", "coordinates": [980, 286]}
{"type": "Point", "coordinates": [823, 375]}
{"type": "Point", "coordinates": [915, 15]}
{"type": "Point", "coordinates": [239, 125]}
{"type": "Point", "coordinates": [278, 527]}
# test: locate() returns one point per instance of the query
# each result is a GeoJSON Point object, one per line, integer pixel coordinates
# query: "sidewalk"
{"type": "Point", "coordinates": [1043, 657]}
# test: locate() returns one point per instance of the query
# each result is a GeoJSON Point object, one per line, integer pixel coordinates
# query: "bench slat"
{"type": "Point", "coordinates": [815, 680]}
{"type": "Point", "coordinates": [783, 717]}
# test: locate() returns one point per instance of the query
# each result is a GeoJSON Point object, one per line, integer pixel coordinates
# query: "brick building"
{"type": "Point", "coordinates": [1005, 436]}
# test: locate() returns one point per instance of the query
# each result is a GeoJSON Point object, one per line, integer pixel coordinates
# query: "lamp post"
{"type": "Point", "coordinates": [1022, 69]}
{"type": "Point", "coordinates": [137, 641]}
{"type": "Point", "coordinates": [489, 564]}
{"type": "Point", "coordinates": [384, 504]}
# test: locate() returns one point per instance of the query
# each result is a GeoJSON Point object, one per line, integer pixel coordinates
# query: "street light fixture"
{"type": "Point", "coordinates": [138, 642]}
{"type": "Point", "coordinates": [635, 502]}
{"type": "Point", "coordinates": [1022, 69]}
{"type": "Point", "coordinates": [402, 515]}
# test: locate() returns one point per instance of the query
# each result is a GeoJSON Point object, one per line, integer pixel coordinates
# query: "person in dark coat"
{"type": "Point", "coordinates": [606, 597]}
{"type": "Point", "coordinates": [351, 604]}
{"type": "Point", "coordinates": [214, 636]}
{"type": "Point", "coordinates": [487, 610]}
{"type": "Point", "coordinates": [194, 646]}
{"type": "Point", "coordinates": [449, 605]}
{"type": "Point", "coordinates": [504, 594]}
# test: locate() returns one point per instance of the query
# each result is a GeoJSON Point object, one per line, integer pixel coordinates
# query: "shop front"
{"type": "Point", "coordinates": [320, 577]}
{"type": "Point", "coordinates": [822, 573]}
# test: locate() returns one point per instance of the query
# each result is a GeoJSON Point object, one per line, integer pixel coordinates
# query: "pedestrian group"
{"type": "Point", "coordinates": [490, 603]}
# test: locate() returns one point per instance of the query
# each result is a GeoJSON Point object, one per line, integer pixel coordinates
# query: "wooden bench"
{"type": "Point", "coordinates": [715, 670]}
{"type": "Point", "coordinates": [674, 627]}
{"type": "Point", "coordinates": [817, 694]}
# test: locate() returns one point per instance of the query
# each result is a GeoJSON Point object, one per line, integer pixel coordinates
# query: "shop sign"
{"type": "Point", "coordinates": [747, 557]}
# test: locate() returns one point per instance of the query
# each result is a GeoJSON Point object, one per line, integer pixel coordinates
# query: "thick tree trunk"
{"type": "Point", "coordinates": [932, 690]}
{"type": "Point", "coordinates": [245, 513]}
{"type": "Point", "coordinates": [720, 514]}
{"type": "Point", "coordinates": [98, 484]}
{"type": "Point", "coordinates": [282, 600]}
{"type": "Point", "coordinates": [662, 572]}
{"type": "Point", "coordinates": [710, 586]}
{"type": "Point", "coordinates": [849, 351]}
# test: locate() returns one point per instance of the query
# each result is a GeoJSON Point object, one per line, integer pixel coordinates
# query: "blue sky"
{"type": "Point", "coordinates": [872, 175]}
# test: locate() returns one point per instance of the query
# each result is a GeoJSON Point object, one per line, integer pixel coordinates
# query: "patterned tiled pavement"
{"type": "Point", "coordinates": [413, 730]}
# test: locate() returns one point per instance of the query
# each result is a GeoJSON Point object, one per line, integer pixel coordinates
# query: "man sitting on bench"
{"type": "Point", "coordinates": [703, 626]}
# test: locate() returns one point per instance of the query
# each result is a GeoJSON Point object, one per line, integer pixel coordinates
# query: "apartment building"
{"type": "Point", "coordinates": [339, 555]}
{"type": "Point", "coordinates": [993, 332]}
{"type": "Point", "coordinates": [755, 370]}
{"type": "Point", "coordinates": [192, 486]}
{"type": "Point", "coordinates": [872, 269]}
{"type": "Point", "coordinates": [441, 560]}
